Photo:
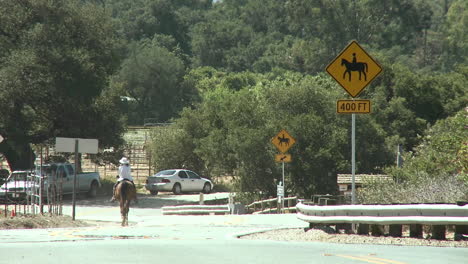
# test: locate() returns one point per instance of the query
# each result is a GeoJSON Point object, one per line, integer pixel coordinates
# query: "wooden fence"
{"type": "Point", "coordinates": [273, 205]}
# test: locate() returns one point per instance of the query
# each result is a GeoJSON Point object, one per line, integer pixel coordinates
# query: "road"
{"type": "Point", "coordinates": [152, 237]}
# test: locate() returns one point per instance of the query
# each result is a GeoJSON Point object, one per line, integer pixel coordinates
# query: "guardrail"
{"type": "Point", "coordinates": [196, 209]}
{"type": "Point", "coordinates": [272, 205]}
{"type": "Point", "coordinates": [415, 215]}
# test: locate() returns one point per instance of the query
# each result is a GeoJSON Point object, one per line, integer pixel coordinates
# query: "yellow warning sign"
{"type": "Point", "coordinates": [354, 69]}
{"type": "Point", "coordinates": [283, 141]}
{"type": "Point", "coordinates": [283, 158]}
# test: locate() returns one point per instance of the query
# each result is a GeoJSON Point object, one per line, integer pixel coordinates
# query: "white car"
{"type": "Point", "coordinates": [177, 181]}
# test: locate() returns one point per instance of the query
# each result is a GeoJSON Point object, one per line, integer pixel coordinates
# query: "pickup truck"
{"type": "Point", "coordinates": [60, 175]}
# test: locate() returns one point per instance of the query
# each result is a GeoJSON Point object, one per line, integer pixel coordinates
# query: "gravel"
{"type": "Point", "coordinates": [328, 235]}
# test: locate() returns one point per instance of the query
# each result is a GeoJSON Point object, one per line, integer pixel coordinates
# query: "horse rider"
{"type": "Point", "coordinates": [125, 173]}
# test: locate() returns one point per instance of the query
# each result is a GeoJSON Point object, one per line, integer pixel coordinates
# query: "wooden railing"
{"type": "Point", "coordinates": [273, 205]}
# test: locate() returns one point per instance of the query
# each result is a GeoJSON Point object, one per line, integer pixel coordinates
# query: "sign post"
{"type": "Point", "coordinates": [76, 145]}
{"type": "Point", "coordinates": [282, 141]}
{"type": "Point", "coordinates": [353, 69]}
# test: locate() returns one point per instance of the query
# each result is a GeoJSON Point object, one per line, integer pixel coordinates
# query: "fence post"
{"type": "Point", "coordinates": [202, 199]}
{"type": "Point", "coordinates": [438, 232]}
{"type": "Point", "coordinates": [363, 229]}
{"type": "Point", "coordinates": [377, 230]}
{"type": "Point", "coordinates": [416, 230]}
{"type": "Point", "coordinates": [460, 230]}
{"type": "Point", "coordinates": [395, 230]}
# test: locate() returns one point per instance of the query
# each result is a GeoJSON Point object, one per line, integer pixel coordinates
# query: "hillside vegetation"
{"type": "Point", "coordinates": [229, 75]}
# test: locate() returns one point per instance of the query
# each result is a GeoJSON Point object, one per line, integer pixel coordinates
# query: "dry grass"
{"type": "Point", "coordinates": [37, 221]}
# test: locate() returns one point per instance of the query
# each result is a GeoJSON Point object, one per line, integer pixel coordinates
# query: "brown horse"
{"type": "Point", "coordinates": [125, 192]}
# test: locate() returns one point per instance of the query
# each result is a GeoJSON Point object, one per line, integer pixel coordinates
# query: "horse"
{"type": "Point", "coordinates": [360, 67]}
{"type": "Point", "coordinates": [125, 192]}
{"type": "Point", "coordinates": [284, 140]}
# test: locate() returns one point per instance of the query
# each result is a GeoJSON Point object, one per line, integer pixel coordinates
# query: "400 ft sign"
{"type": "Point", "coordinates": [353, 106]}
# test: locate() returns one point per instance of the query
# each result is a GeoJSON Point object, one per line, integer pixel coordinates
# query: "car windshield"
{"type": "Point", "coordinates": [46, 170]}
{"type": "Point", "coordinates": [165, 173]}
{"type": "Point", "coordinates": [17, 177]}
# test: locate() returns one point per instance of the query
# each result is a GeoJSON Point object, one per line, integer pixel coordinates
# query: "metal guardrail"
{"type": "Point", "coordinates": [196, 209]}
{"type": "Point", "coordinates": [395, 216]}
{"type": "Point", "coordinates": [434, 214]}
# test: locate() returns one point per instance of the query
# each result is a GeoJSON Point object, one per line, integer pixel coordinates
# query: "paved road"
{"type": "Point", "coordinates": [152, 238]}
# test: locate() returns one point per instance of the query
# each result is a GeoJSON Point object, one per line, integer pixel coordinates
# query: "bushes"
{"type": "Point", "coordinates": [436, 172]}
{"type": "Point", "coordinates": [446, 189]}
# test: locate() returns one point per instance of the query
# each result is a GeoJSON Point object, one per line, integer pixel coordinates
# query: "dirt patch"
{"type": "Point", "coordinates": [38, 221]}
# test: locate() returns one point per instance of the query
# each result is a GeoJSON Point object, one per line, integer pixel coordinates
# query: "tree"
{"type": "Point", "coordinates": [229, 132]}
{"type": "Point", "coordinates": [140, 19]}
{"type": "Point", "coordinates": [54, 62]}
{"type": "Point", "coordinates": [152, 76]}
{"type": "Point", "coordinates": [436, 171]}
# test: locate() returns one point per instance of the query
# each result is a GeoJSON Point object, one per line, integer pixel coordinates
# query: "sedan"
{"type": "Point", "coordinates": [177, 181]}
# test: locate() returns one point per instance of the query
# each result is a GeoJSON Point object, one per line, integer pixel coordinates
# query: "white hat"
{"type": "Point", "coordinates": [124, 160]}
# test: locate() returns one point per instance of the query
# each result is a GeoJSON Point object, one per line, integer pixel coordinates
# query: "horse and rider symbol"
{"type": "Point", "coordinates": [360, 67]}
{"type": "Point", "coordinates": [351, 60]}
{"type": "Point", "coordinates": [284, 140]}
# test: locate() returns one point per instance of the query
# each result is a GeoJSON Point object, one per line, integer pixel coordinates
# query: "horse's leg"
{"type": "Point", "coordinates": [126, 209]}
{"type": "Point", "coordinates": [122, 213]}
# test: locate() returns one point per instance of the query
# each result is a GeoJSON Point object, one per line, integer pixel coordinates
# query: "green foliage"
{"type": "Point", "coordinates": [55, 60]}
{"type": "Point", "coordinates": [230, 130]}
{"type": "Point", "coordinates": [436, 172]}
{"type": "Point", "coordinates": [441, 152]}
{"type": "Point", "coordinates": [151, 76]}
{"type": "Point", "coordinates": [243, 70]}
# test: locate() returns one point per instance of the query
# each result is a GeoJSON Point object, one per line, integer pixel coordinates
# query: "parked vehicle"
{"type": "Point", "coordinates": [59, 176]}
{"type": "Point", "coordinates": [16, 186]}
{"type": "Point", "coordinates": [177, 181]}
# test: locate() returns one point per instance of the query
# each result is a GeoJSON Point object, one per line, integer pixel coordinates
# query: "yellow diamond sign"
{"type": "Point", "coordinates": [283, 141]}
{"type": "Point", "coordinates": [354, 69]}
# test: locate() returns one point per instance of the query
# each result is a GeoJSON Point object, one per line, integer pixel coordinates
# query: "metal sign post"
{"type": "Point", "coordinates": [282, 141]}
{"type": "Point", "coordinates": [76, 145]}
{"type": "Point", "coordinates": [74, 180]}
{"type": "Point", "coordinates": [353, 158]}
{"type": "Point", "coordinates": [353, 69]}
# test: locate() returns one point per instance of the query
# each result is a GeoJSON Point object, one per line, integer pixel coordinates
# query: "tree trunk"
{"type": "Point", "coordinates": [19, 155]}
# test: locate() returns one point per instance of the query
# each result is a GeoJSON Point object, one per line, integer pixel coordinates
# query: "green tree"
{"type": "Point", "coordinates": [437, 170]}
{"type": "Point", "coordinates": [54, 62]}
{"type": "Point", "coordinates": [151, 76]}
{"type": "Point", "coordinates": [230, 129]}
